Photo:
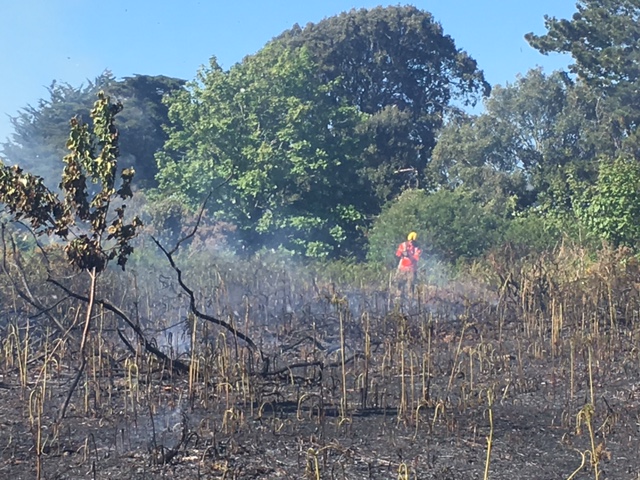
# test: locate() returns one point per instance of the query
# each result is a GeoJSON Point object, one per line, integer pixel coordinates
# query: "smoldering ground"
{"type": "Point", "coordinates": [345, 379]}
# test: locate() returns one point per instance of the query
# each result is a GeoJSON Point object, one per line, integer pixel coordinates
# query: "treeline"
{"type": "Point", "coordinates": [337, 138]}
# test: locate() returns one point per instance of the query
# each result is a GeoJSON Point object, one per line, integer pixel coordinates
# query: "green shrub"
{"type": "Point", "coordinates": [533, 232]}
{"type": "Point", "coordinates": [610, 209]}
{"type": "Point", "coordinates": [449, 225]}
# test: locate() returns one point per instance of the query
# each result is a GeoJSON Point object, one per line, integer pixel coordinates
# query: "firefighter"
{"type": "Point", "coordinates": [409, 254]}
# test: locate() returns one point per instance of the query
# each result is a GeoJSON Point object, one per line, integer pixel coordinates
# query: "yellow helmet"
{"type": "Point", "coordinates": [412, 236]}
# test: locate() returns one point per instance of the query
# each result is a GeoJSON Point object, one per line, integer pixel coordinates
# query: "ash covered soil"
{"type": "Point", "coordinates": [413, 396]}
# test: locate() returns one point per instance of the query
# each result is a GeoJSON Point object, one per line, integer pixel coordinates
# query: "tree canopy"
{"type": "Point", "coordinates": [311, 141]}
{"type": "Point", "coordinates": [277, 151]}
{"type": "Point", "coordinates": [396, 65]}
{"type": "Point", "coordinates": [517, 154]}
{"type": "Point", "coordinates": [40, 132]}
{"type": "Point", "coordinates": [603, 37]}
{"type": "Point", "coordinates": [314, 133]}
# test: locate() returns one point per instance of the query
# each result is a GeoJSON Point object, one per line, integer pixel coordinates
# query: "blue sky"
{"type": "Point", "coordinates": [75, 40]}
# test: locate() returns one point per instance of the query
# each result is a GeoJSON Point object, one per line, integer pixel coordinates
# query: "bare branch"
{"type": "Point", "coordinates": [25, 291]}
{"type": "Point", "coordinates": [192, 299]}
{"type": "Point", "coordinates": [195, 228]}
{"type": "Point", "coordinates": [148, 346]}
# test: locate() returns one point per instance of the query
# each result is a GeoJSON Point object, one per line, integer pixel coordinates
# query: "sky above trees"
{"type": "Point", "coordinates": [68, 40]}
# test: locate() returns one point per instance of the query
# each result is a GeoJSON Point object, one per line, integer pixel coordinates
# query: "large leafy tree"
{"type": "Point", "coordinates": [40, 132]}
{"type": "Point", "coordinates": [277, 150]}
{"type": "Point", "coordinates": [603, 38]}
{"type": "Point", "coordinates": [320, 128]}
{"type": "Point", "coordinates": [143, 121]}
{"type": "Point", "coordinates": [534, 134]}
{"type": "Point", "coordinates": [396, 65]}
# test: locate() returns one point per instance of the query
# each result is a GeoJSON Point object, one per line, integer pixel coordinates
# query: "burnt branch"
{"type": "Point", "coordinates": [24, 290]}
{"type": "Point", "coordinates": [148, 346]}
{"type": "Point", "coordinates": [192, 298]}
{"type": "Point", "coordinates": [193, 231]}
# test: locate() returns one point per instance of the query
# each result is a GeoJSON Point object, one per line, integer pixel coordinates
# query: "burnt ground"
{"type": "Point", "coordinates": [417, 404]}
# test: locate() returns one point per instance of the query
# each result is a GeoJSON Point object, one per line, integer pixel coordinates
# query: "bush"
{"type": "Point", "coordinates": [533, 233]}
{"type": "Point", "coordinates": [449, 225]}
{"type": "Point", "coordinates": [610, 209]}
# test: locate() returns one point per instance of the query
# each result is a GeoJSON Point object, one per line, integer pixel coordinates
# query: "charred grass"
{"type": "Point", "coordinates": [529, 368]}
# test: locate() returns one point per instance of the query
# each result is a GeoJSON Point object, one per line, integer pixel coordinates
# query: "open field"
{"type": "Point", "coordinates": [535, 377]}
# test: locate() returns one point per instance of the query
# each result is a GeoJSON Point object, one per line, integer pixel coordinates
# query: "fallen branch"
{"type": "Point", "coordinates": [25, 291]}
{"type": "Point", "coordinates": [192, 298]}
{"type": "Point", "coordinates": [148, 346]}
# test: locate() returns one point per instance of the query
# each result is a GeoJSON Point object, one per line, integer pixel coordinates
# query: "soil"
{"type": "Point", "coordinates": [417, 404]}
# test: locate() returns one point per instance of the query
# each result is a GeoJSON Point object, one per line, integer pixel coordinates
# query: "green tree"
{"type": "Point", "coordinates": [396, 65]}
{"type": "Point", "coordinates": [449, 224]}
{"type": "Point", "coordinates": [143, 121]}
{"type": "Point", "coordinates": [602, 37]}
{"type": "Point", "coordinates": [320, 128]}
{"type": "Point", "coordinates": [40, 132]}
{"type": "Point", "coordinates": [517, 154]}
{"type": "Point", "coordinates": [278, 151]}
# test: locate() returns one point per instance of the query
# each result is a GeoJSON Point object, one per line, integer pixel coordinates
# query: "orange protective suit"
{"type": "Point", "coordinates": [409, 255]}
